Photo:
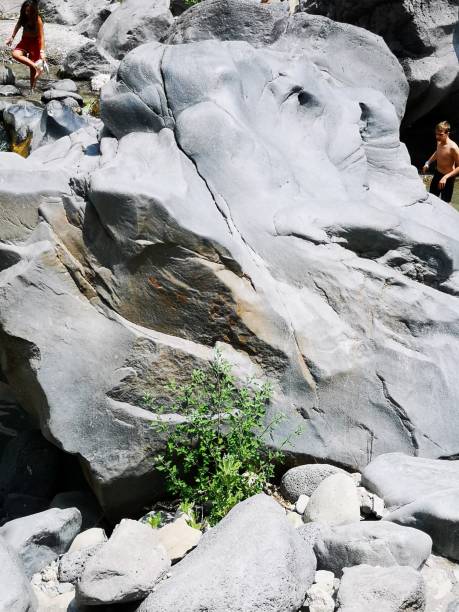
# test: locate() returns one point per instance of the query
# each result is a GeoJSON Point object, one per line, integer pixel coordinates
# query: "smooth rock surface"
{"type": "Point", "coordinates": [88, 539]}
{"type": "Point", "coordinates": [16, 594]}
{"type": "Point", "coordinates": [40, 538]}
{"type": "Point", "coordinates": [385, 589]}
{"type": "Point", "coordinates": [60, 94]}
{"type": "Point", "coordinates": [87, 60]}
{"type": "Point", "coordinates": [334, 502]}
{"type": "Point", "coordinates": [371, 543]}
{"type": "Point", "coordinates": [400, 479]}
{"type": "Point", "coordinates": [69, 13]}
{"type": "Point", "coordinates": [158, 244]}
{"type": "Point", "coordinates": [91, 513]}
{"type": "Point", "coordinates": [124, 569]}
{"type": "Point", "coordinates": [438, 515]}
{"type": "Point", "coordinates": [270, 572]}
{"type": "Point", "coordinates": [134, 23]}
{"type": "Point", "coordinates": [178, 538]}
{"type": "Point", "coordinates": [304, 479]}
{"type": "Point", "coordinates": [423, 36]}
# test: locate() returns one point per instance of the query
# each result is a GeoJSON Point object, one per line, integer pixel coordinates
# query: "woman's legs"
{"type": "Point", "coordinates": [20, 56]}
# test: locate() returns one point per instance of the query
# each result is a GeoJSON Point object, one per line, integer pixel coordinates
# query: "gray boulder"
{"type": "Point", "coordinates": [63, 85]}
{"type": "Point", "coordinates": [371, 543]}
{"type": "Point", "coordinates": [124, 569]}
{"type": "Point", "coordinates": [21, 120]}
{"type": "Point", "coordinates": [135, 22]}
{"type": "Point", "coordinates": [87, 60]}
{"type": "Point", "coordinates": [59, 94]}
{"type": "Point", "coordinates": [91, 513]}
{"type": "Point", "coordinates": [385, 589]}
{"type": "Point", "coordinates": [8, 91]}
{"type": "Point", "coordinates": [438, 515]}
{"type": "Point", "coordinates": [16, 594]}
{"type": "Point", "coordinates": [270, 572]}
{"type": "Point", "coordinates": [304, 479]}
{"type": "Point", "coordinates": [334, 502]}
{"type": "Point", "coordinates": [7, 76]}
{"type": "Point", "coordinates": [91, 25]}
{"type": "Point", "coordinates": [57, 121]}
{"type": "Point", "coordinates": [40, 538]}
{"type": "Point", "coordinates": [231, 20]}
{"type": "Point", "coordinates": [334, 46]}
{"type": "Point", "coordinates": [161, 243]}
{"type": "Point", "coordinates": [72, 564]}
{"type": "Point", "coordinates": [70, 13]}
{"type": "Point", "coordinates": [423, 36]}
{"type": "Point", "coordinates": [400, 479]}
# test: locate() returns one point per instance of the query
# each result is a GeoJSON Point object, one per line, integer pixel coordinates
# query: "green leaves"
{"type": "Point", "coordinates": [216, 457]}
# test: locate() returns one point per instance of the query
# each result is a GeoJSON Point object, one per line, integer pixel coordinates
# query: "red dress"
{"type": "Point", "coordinates": [30, 44]}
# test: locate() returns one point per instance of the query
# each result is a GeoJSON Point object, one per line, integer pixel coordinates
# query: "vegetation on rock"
{"type": "Point", "coordinates": [216, 456]}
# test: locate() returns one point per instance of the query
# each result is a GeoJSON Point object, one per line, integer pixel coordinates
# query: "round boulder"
{"type": "Point", "coordinates": [304, 479]}
{"type": "Point", "coordinates": [335, 502]}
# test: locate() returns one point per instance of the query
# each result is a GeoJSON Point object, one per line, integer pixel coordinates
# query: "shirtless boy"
{"type": "Point", "coordinates": [447, 158]}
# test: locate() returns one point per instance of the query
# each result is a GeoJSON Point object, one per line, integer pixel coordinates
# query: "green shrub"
{"type": "Point", "coordinates": [216, 457]}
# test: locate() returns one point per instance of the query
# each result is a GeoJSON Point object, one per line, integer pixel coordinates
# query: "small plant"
{"type": "Point", "coordinates": [216, 456]}
{"type": "Point", "coordinates": [189, 511]}
{"type": "Point", "coordinates": [155, 520]}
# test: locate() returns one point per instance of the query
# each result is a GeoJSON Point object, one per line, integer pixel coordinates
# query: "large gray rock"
{"type": "Point", "coordinates": [87, 60]}
{"type": "Point", "coordinates": [124, 569]}
{"type": "Point", "coordinates": [40, 538]}
{"type": "Point", "coordinates": [16, 594]}
{"type": "Point", "coordinates": [91, 513]}
{"type": "Point", "coordinates": [332, 46]}
{"type": "Point", "coordinates": [21, 120]}
{"type": "Point", "coordinates": [59, 94]}
{"type": "Point", "coordinates": [438, 515]}
{"type": "Point", "coordinates": [91, 25]}
{"type": "Point", "coordinates": [56, 122]}
{"type": "Point", "coordinates": [334, 502]}
{"type": "Point", "coordinates": [423, 36]}
{"type": "Point", "coordinates": [400, 479]}
{"type": "Point", "coordinates": [135, 22]}
{"type": "Point", "coordinates": [231, 20]}
{"type": "Point", "coordinates": [70, 13]}
{"type": "Point", "coordinates": [201, 221]}
{"type": "Point", "coordinates": [7, 76]}
{"type": "Point", "coordinates": [371, 543]}
{"type": "Point", "coordinates": [304, 479]}
{"type": "Point", "coordinates": [385, 589]}
{"type": "Point", "coordinates": [271, 572]}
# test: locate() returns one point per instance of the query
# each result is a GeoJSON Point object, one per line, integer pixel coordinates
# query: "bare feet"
{"type": "Point", "coordinates": [38, 71]}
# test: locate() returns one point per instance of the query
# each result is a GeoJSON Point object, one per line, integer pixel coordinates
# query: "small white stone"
{"type": "Point", "coordinates": [319, 600]}
{"type": "Point", "coordinates": [301, 504]}
{"type": "Point", "coordinates": [371, 504]}
{"type": "Point", "coordinates": [295, 519]}
{"type": "Point", "coordinates": [326, 580]}
{"type": "Point", "coordinates": [88, 539]}
{"type": "Point", "coordinates": [357, 478]}
{"type": "Point", "coordinates": [98, 81]}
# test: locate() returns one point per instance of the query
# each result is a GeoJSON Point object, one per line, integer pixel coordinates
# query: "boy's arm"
{"type": "Point", "coordinates": [17, 27]}
{"type": "Point", "coordinates": [431, 159]}
{"type": "Point", "coordinates": [455, 172]}
{"type": "Point", "coordinates": [41, 36]}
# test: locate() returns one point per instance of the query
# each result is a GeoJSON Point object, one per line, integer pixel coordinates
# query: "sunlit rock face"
{"type": "Point", "coordinates": [424, 35]}
{"type": "Point", "coordinates": [251, 196]}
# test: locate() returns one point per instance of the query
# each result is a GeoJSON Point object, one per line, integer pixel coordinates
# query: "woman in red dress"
{"type": "Point", "coordinates": [31, 48]}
